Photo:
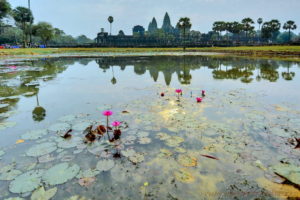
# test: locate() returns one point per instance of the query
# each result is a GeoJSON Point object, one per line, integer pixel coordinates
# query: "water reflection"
{"type": "Point", "coordinates": [25, 77]}
{"type": "Point", "coordinates": [38, 113]}
{"type": "Point", "coordinates": [245, 70]}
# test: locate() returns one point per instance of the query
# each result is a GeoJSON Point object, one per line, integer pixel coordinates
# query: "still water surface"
{"type": "Point", "coordinates": [224, 147]}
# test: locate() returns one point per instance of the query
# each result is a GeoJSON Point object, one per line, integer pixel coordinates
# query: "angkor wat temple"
{"type": "Point", "coordinates": [166, 36]}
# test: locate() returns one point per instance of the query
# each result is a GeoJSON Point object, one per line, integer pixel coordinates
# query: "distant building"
{"type": "Point", "coordinates": [167, 35]}
{"type": "Point", "coordinates": [138, 30]}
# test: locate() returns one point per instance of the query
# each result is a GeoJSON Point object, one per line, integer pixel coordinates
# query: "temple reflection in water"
{"type": "Point", "coordinates": [245, 70]}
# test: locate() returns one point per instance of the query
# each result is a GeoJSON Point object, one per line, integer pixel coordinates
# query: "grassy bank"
{"type": "Point", "coordinates": [263, 51]}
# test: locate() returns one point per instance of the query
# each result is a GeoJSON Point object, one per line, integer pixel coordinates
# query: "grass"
{"type": "Point", "coordinates": [258, 51]}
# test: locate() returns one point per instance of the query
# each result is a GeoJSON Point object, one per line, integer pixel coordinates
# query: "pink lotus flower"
{"type": "Point", "coordinates": [107, 113]}
{"type": "Point", "coordinates": [13, 67]}
{"type": "Point", "coordinates": [199, 100]}
{"type": "Point", "coordinates": [203, 92]}
{"type": "Point", "coordinates": [178, 91]}
{"type": "Point", "coordinates": [116, 123]}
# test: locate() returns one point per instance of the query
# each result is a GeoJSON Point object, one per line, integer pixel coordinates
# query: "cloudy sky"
{"type": "Point", "coordinates": [77, 17]}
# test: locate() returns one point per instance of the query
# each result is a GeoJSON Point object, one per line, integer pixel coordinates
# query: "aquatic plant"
{"type": "Point", "coordinates": [203, 93]}
{"type": "Point", "coordinates": [117, 131]}
{"type": "Point", "coordinates": [179, 92]}
{"type": "Point", "coordinates": [199, 99]}
{"type": "Point", "coordinates": [107, 113]}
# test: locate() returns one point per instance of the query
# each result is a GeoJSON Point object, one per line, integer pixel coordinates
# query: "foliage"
{"type": "Point", "coordinates": [4, 8]}
{"type": "Point", "coordinates": [43, 30]}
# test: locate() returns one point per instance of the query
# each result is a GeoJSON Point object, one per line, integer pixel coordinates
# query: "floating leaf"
{"type": "Point", "coordinates": [14, 198]}
{"type": "Point", "coordinates": [41, 194]}
{"type": "Point", "coordinates": [88, 173]}
{"type": "Point", "coordinates": [41, 149]}
{"type": "Point", "coordinates": [105, 165]}
{"type": "Point", "coordinates": [137, 158]}
{"type": "Point", "coordinates": [128, 152]}
{"type": "Point", "coordinates": [183, 175]}
{"type": "Point", "coordinates": [145, 140]}
{"type": "Point", "coordinates": [67, 118]}
{"type": "Point", "coordinates": [77, 197]}
{"type": "Point", "coordinates": [288, 171]}
{"type": "Point", "coordinates": [26, 182]}
{"type": "Point", "coordinates": [174, 141]}
{"type": "Point", "coordinates": [70, 143]}
{"type": "Point", "coordinates": [87, 181]}
{"type": "Point", "coordinates": [10, 175]}
{"type": "Point", "coordinates": [34, 135]}
{"type": "Point", "coordinates": [187, 161]}
{"type": "Point", "coordinates": [162, 136]}
{"type": "Point", "coordinates": [60, 173]}
{"type": "Point", "coordinates": [46, 158]}
{"type": "Point", "coordinates": [59, 127]}
{"type": "Point", "coordinates": [165, 153]}
{"type": "Point", "coordinates": [81, 126]}
{"type": "Point", "coordinates": [280, 132]}
{"type": "Point", "coordinates": [142, 134]}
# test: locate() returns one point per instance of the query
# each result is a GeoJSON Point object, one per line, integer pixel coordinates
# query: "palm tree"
{"type": "Point", "coordinates": [22, 16]}
{"type": "Point", "coordinates": [219, 27]}
{"type": "Point", "coordinates": [110, 20]}
{"type": "Point", "coordinates": [184, 24]}
{"type": "Point", "coordinates": [247, 22]}
{"type": "Point", "coordinates": [289, 25]}
{"type": "Point", "coordinates": [259, 21]}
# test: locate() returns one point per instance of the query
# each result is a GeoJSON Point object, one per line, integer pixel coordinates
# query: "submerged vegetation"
{"type": "Point", "coordinates": [217, 142]}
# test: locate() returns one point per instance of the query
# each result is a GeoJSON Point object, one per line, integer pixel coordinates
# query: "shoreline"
{"type": "Point", "coordinates": [291, 53]}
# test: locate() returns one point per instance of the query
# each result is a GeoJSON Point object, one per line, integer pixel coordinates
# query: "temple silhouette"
{"type": "Point", "coordinates": [167, 35]}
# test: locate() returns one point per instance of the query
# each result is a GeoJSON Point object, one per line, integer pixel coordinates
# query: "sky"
{"type": "Point", "coordinates": [87, 17]}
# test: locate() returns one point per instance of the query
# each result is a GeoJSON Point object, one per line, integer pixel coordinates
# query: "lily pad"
{"type": "Point", "coordinates": [60, 173]}
{"type": "Point", "coordinates": [87, 181]}
{"type": "Point", "coordinates": [142, 134]}
{"type": "Point", "coordinates": [67, 118]}
{"type": "Point", "coordinates": [10, 175]}
{"type": "Point", "coordinates": [289, 172]}
{"type": "Point", "coordinates": [41, 194]}
{"type": "Point", "coordinates": [128, 152]}
{"type": "Point", "coordinates": [280, 132]}
{"type": "Point", "coordinates": [165, 153]}
{"type": "Point", "coordinates": [88, 173]}
{"type": "Point", "coordinates": [14, 198]}
{"type": "Point", "coordinates": [174, 141]}
{"type": "Point", "coordinates": [187, 161]}
{"type": "Point", "coordinates": [26, 182]}
{"type": "Point", "coordinates": [105, 165]}
{"type": "Point", "coordinates": [41, 149]}
{"type": "Point", "coordinates": [34, 135]}
{"type": "Point", "coordinates": [68, 143]}
{"type": "Point", "coordinates": [162, 136]}
{"type": "Point", "coordinates": [137, 158]}
{"type": "Point", "coordinates": [184, 176]}
{"type": "Point", "coordinates": [145, 140]}
{"type": "Point", "coordinates": [59, 127]}
{"type": "Point", "coordinates": [81, 126]}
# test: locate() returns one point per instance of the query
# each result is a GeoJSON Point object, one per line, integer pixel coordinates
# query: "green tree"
{"type": "Point", "coordinates": [4, 9]}
{"type": "Point", "coordinates": [184, 24]}
{"type": "Point", "coordinates": [110, 20]}
{"type": "Point", "coordinates": [82, 39]}
{"type": "Point", "coordinates": [23, 16]}
{"type": "Point", "coordinates": [270, 29]}
{"type": "Point", "coordinates": [45, 31]}
{"type": "Point", "coordinates": [219, 27]}
{"type": "Point", "coordinates": [248, 25]}
{"type": "Point", "coordinates": [259, 21]}
{"type": "Point", "coordinates": [234, 27]}
{"type": "Point", "coordinates": [289, 25]}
